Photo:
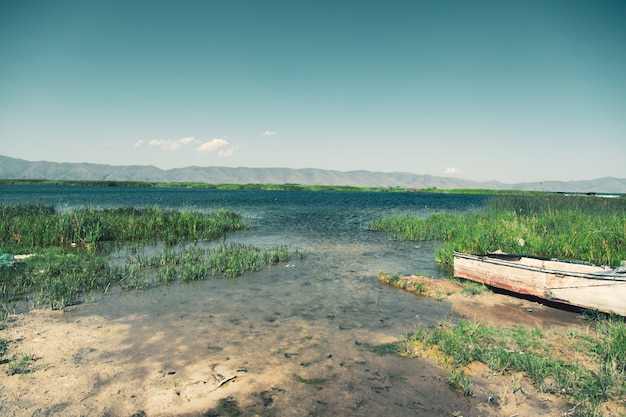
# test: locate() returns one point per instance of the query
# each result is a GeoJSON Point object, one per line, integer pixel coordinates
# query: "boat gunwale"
{"type": "Point", "coordinates": [501, 259]}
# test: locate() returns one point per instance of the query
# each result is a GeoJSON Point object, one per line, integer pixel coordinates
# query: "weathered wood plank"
{"type": "Point", "coordinates": [579, 284]}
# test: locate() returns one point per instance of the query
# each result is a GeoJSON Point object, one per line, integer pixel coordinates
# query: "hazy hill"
{"type": "Point", "coordinates": [13, 168]}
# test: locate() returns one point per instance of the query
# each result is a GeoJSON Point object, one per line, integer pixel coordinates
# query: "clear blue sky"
{"type": "Point", "coordinates": [514, 91]}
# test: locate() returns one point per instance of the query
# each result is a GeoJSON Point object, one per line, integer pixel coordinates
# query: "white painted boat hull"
{"type": "Point", "coordinates": [583, 285]}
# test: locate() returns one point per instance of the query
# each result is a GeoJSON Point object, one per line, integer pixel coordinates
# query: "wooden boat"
{"type": "Point", "coordinates": [576, 283]}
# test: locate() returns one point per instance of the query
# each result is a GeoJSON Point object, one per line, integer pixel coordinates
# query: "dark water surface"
{"type": "Point", "coordinates": [315, 318]}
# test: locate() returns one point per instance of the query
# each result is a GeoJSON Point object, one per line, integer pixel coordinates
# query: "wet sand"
{"type": "Point", "coordinates": [168, 355]}
{"type": "Point", "coordinates": [296, 341]}
{"type": "Point", "coordinates": [173, 365]}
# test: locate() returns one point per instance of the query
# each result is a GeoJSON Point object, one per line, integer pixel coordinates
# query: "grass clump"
{"type": "Point", "coordinates": [4, 345]}
{"type": "Point", "coordinates": [76, 252]}
{"type": "Point", "coordinates": [21, 365]}
{"type": "Point", "coordinates": [55, 276]}
{"type": "Point", "coordinates": [569, 227]}
{"type": "Point", "coordinates": [461, 382]}
{"type": "Point", "coordinates": [171, 265]}
{"type": "Point", "coordinates": [474, 288]}
{"type": "Point", "coordinates": [438, 289]}
{"type": "Point", "coordinates": [195, 264]}
{"type": "Point", "coordinates": [587, 384]}
{"type": "Point", "coordinates": [40, 226]}
{"type": "Point", "coordinates": [60, 277]}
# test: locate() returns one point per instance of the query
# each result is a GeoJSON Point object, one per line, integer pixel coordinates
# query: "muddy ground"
{"type": "Point", "coordinates": [142, 364]}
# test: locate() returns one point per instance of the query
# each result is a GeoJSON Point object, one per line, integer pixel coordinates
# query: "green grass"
{"type": "Point", "coordinates": [483, 191]}
{"type": "Point", "coordinates": [461, 382]}
{"type": "Point", "coordinates": [73, 251]}
{"type": "Point", "coordinates": [201, 185]}
{"type": "Point", "coordinates": [260, 187]}
{"type": "Point", "coordinates": [20, 365]}
{"type": "Point", "coordinates": [36, 226]}
{"type": "Point", "coordinates": [536, 353]}
{"type": "Point", "coordinates": [474, 288]}
{"type": "Point", "coordinates": [420, 288]}
{"type": "Point", "coordinates": [570, 227]}
{"type": "Point", "coordinates": [3, 349]}
{"type": "Point", "coordinates": [61, 277]}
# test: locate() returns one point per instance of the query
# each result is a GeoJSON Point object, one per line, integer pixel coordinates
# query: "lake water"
{"type": "Point", "coordinates": [331, 226]}
{"type": "Point", "coordinates": [314, 320]}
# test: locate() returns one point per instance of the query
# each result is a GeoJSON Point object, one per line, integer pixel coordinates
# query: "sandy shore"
{"type": "Point", "coordinates": [86, 364]}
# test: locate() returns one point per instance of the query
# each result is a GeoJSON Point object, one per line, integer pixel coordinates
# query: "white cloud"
{"type": "Point", "coordinates": [212, 145]}
{"type": "Point", "coordinates": [165, 144]}
{"type": "Point", "coordinates": [218, 145]}
{"type": "Point", "coordinates": [172, 145]}
{"type": "Point", "coordinates": [450, 170]}
{"type": "Point", "coordinates": [225, 153]}
{"type": "Point", "coordinates": [185, 141]}
{"type": "Point", "coordinates": [269, 133]}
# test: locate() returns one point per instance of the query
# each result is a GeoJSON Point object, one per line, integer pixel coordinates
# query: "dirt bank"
{"type": "Point", "coordinates": [513, 394]}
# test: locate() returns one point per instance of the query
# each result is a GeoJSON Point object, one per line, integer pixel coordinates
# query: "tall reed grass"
{"type": "Point", "coordinates": [570, 227]}
{"type": "Point", "coordinates": [196, 264]}
{"type": "Point", "coordinates": [58, 277]}
{"type": "Point", "coordinates": [34, 225]}
{"type": "Point", "coordinates": [73, 251]}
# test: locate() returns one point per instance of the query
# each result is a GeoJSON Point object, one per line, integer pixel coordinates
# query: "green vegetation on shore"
{"type": "Point", "coordinates": [588, 368]}
{"type": "Point", "coordinates": [37, 226]}
{"type": "Point", "coordinates": [202, 185]}
{"type": "Point", "coordinates": [570, 227]}
{"type": "Point", "coordinates": [73, 251]}
{"type": "Point", "coordinates": [261, 187]}
{"type": "Point", "coordinates": [482, 191]}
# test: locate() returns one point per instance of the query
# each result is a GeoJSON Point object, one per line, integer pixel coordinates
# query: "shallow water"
{"type": "Point", "coordinates": [314, 320]}
{"type": "Point", "coordinates": [343, 256]}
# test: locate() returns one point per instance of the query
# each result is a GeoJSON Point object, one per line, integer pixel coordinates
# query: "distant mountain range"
{"type": "Point", "coordinates": [13, 168]}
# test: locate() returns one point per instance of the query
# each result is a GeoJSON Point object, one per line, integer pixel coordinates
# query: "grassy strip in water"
{"type": "Point", "coordinates": [439, 289]}
{"type": "Point", "coordinates": [588, 368]}
{"type": "Point", "coordinates": [59, 277]}
{"type": "Point", "coordinates": [72, 261]}
{"type": "Point", "coordinates": [570, 227]}
{"type": "Point", "coordinates": [36, 226]}
{"type": "Point", "coordinates": [483, 191]}
{"type": "Point", "coordinates": [172, 266]}
{"type": "Point", "coordinates": [262, 187]}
